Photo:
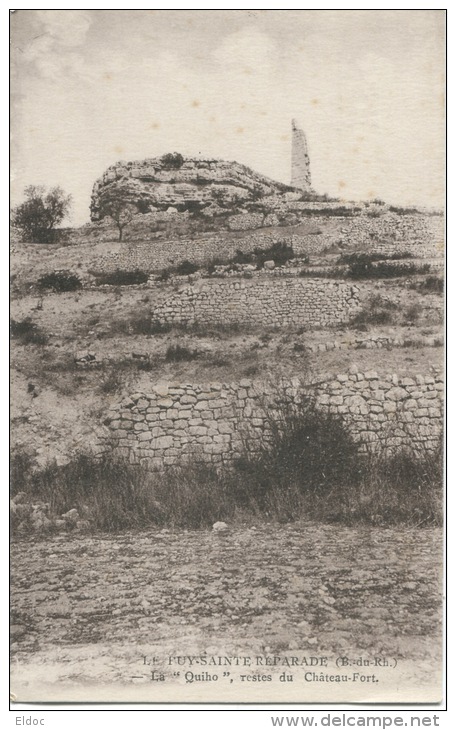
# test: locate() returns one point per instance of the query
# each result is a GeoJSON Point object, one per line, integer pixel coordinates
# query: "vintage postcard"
{"type": "Point", "coordinates": [227, 350]}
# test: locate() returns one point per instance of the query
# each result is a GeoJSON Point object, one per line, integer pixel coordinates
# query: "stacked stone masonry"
{"type": "Point", "coordinates": [300, 165]}
{"type": "Point", "coordinates": [420, 236]}
{"type": "Point", "coordinates": [274, 302]}
{"type": "Point", "coordinates": [217, 422]}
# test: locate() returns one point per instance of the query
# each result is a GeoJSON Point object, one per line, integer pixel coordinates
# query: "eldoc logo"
{"type": "Point", "coordinates": [29, 720]}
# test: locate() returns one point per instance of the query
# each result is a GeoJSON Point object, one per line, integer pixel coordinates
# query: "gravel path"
{"type": "Point", "coordinates": [105, 617]}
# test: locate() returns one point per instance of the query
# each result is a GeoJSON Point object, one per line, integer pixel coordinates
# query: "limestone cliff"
{"type": "Point", "coordinates": [192, 184]}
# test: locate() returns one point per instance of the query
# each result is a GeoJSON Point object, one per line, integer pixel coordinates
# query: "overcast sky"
{"type": "Point", "coordinates": [91, 87]}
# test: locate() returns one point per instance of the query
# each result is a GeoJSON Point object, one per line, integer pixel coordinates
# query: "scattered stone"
{"type": "Point", "coordinates": [72, 516]}
{"type": "Point", "coordinates": [220, 527]}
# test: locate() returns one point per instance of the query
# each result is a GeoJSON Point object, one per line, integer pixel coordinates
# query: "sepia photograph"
{"type": "Point", "coordinates": [227, 350]}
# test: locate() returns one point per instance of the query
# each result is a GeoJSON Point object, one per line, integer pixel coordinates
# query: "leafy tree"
{"type": "Point", "coordinates": [114, 204]}
{"type": "Point", "coordinates": [40, 213]}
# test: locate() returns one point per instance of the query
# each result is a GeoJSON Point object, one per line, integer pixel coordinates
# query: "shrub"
{"type": "Point", "coordinates": [403, 211]}
{"type": "Point", "coordinates": [378, 311]}
{"type": "Point", "coordinates": [339, 212]}
{"type": "Point", "coordinates": [122, 278]}
{"type": "Point", "coordinates": [143, 205]}
{"type": "Point", "coordinates": [362, 266]}
{"type": "Point", "coordinates": [60, 281]}
{"type": "Point", "coordinates": [330, 272]}
{"type": "Point", "coordinates": [177, 353]}
{"type": "Point", "coordinates": [279, 252]}
{"type": "Point", "coordinates": [213, 263]}
{"type": "Point", "coordinates": [172, 160]}
{"type": "Point", "coordinates": [27, 332]}
{"type": "Point", "coordinates": [431, 285]}
{"type": "Point", "coordinates": [113, 378]}
{"type": "Point", "coordinates": [243, 257]}
{"type": "Point", "coordinates": [139, 324]}
{"type": "Point", "coordinates": [186, 268]}
{"type": "Point", "coordinates": [354, 258]}
{"type": "Point", "coordinates": [306, 454]}
{"type": "Point", "coordinates": [412, 313]}
{"type": "Point", "coordinates": [164, 276]}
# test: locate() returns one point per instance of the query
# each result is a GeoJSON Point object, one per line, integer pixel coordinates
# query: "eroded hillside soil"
{"type": "Point", "coordinates": [88, 609]}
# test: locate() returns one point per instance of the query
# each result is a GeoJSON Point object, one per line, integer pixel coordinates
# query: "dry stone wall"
{"type": "Point", "coordinates": [271, 302]}
{"type": "Point", "coordinates": [156, 255]}
{"type": "Point", "coordinates": [420, 236]}
{"type": "Point", "coordinates": [216, 422]}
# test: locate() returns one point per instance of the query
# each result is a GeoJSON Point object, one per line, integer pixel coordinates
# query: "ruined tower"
{"type": "Point", "coordinates": [300, 164]}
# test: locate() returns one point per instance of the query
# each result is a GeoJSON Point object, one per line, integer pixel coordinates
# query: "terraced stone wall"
{"type": "Point", "coordinates": [420, 236]}
{"type": "Point", "coordinates": [271, 302]}
{"type": "Point", "coordinates": [216, 422]}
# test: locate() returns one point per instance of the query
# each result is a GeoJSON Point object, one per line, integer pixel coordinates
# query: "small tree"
{"type": "Point", "coordinates": [41, 212]}
{"type": "Point", "coordinates": [114, 204]}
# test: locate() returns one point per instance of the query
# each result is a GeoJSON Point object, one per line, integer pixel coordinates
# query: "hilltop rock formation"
{"type": "Point", "coordinates": [184, 184]}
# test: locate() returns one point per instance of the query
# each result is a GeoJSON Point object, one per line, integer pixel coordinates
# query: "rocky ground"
{"type": "Point", "coordinates": [100, 616]}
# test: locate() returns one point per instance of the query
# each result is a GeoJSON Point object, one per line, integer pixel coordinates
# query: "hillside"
{"type": "Point", "coordinates": [59, 397]}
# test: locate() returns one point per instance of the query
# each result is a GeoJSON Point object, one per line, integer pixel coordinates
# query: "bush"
{"type": "Point", "coordinates": [366, 258]}
{"type": "Point", "coordinates": [123, 278]}
{"type": "Point", "coordinates": [325, 212]}
{"type": "Point", "coordinates": [60, 281]}
{"type": "Point", "coordinates": [164, 276]}
{"type": "Point", "coordinates": [172, 160]}
{"type": "Point", "coordinates": [27, 332]}
{"type": "Point", "coordinates": [412, 313]}
{"type": "Point", "coordinates": [142, 205]}
{"type": "Point", "coordinates": [186, 267]}
{"type": "Point", "coordinates": [431, 285]}
{"type": "Point", "coordinates": [403, 211]}
{"type": "Point", "coordinates": [363, 267]}
{"type": "Point", "coordinates": [279, 252]}
{"type": "Point", "coordinates": [139, 324]}
{"type": "Point", "coordinates": [177, 353]}
{"type": "Point", "coordinates": [305, 454]}
{"type": "Point", "coordinates": [243, 257]}
{"type": "Point", "coordinates": [378, 311]}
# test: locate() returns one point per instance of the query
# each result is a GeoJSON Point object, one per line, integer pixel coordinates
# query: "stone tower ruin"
{"type": "Point", "coordinates": [300, 164]}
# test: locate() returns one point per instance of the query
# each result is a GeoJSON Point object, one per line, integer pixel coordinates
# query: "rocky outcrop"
{"type": "Point", "coordinates": [193, 184]}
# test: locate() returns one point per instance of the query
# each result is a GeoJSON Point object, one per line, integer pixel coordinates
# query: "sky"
{"type": "Point", "coordinates": [92, 87]}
